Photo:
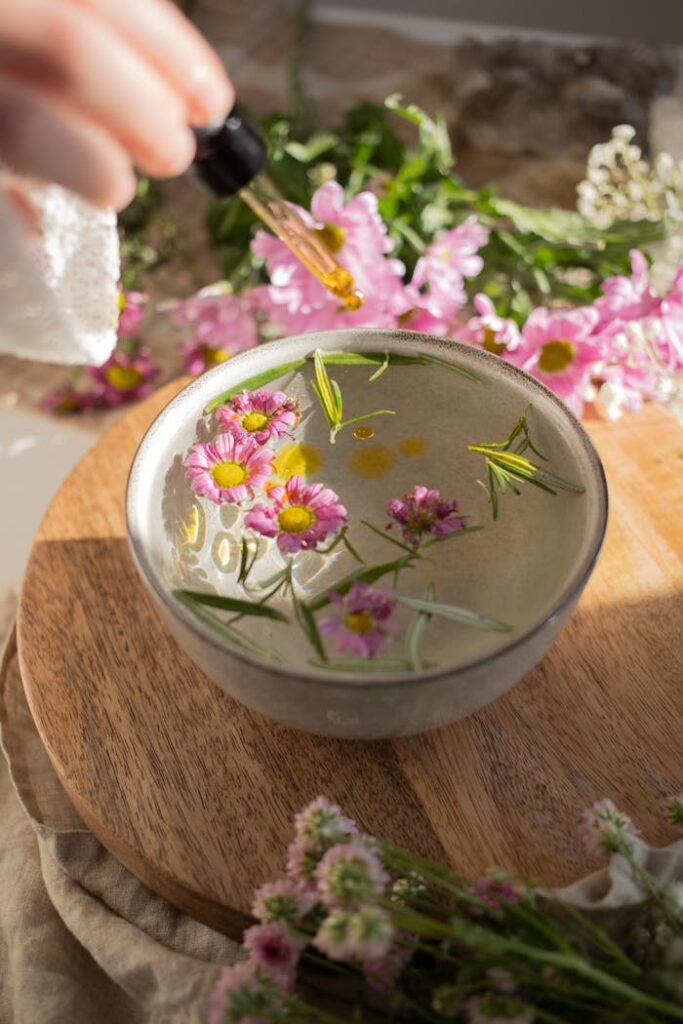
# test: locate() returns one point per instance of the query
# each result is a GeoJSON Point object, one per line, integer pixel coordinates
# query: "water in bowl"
{"type": "Point", "coordinates": [377, 595]}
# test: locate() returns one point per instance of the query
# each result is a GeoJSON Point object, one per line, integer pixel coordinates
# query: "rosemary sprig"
{"type": "Point", "coordinates": [246, 563]}
{"type": "Point", "coordinates": [455, 613]}
{"type": "Point", "coordinates": [414, 634]}
{"type": "Point", "coordinates": [507, 466]}
{"type": "Point", "coordinates": [231, 604]}
{"type": "Point", "coordinates": [229, 632]}
{"type": "Point", "coordinates": [331, 400]}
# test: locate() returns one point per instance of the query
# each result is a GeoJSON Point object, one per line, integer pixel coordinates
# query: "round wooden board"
{"type": "Point", "coordinates": [195, 794]}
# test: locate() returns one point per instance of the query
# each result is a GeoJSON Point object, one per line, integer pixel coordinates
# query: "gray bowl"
{"type": "Point", "coordinates": [527, 569]}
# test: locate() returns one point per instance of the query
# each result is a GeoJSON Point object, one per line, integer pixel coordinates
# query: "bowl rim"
{"type": "Point", "coordinates": [343, 339]}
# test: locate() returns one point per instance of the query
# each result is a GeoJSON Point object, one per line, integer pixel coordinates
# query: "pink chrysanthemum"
{"type": "Point", "coordinates": [604, 827]}
{"type": "Point", "coordinates": [242, 995]}
{"type": "Point", "coordinates": [349, 875]}
{"type": "Point", "coordinates": [559, 347]}
{"type": "Point", "coordinates": [67, 400]}
{"type": "Point", "coordinates": [492, 332]}
{"type": "Point", "coordinates": [422, 513]}
{"type": "Point", "coordinates": [303, 857]}
{"type": "Point", "coordinates": [355, 234]}
{"type": "Point", "coordinates": [125, 377]}
{"type": "Point", "coordinates": [498, 1008]}
{"type": "Point", "coordinates": [227, 469]}
{"type": "Point", "coordinates": [322, 823]}
{"type": "Point", "coordinates": [284, 900]}
{"type": "Point", "coordinates": [223, 324]}
{"type": "Point", "coordinates": [275, 951]}
{"type": "Point", "coordinates": [299, 515]}
{"type": "Point", "coordinates": [365, 934]}
{"type": "Point", "coordinates": [439, 274]}
{"type": "Point", "coordinates": [628, 298]}
{"type": "Point", "coordinates": [131, 312]}
{"type": "Point", "coordinates": [365, 625]}
{"type": "Point", "coordinates": [493, 891]}
{"type": "Point", "coordinates": [262, 415]}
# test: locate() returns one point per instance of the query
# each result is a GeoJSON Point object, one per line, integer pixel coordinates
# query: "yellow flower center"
{"type": "Point", "coordinates": [122, 302]}
{"type": "Point", "coordinates": [229, 474]}
{"type": "Point", "coordinates": [295, 519]}
{"type": "Point", "coordinates": [490, 344]}
{"type": "Point", "coordinates": [123, 378]}
{"type": "Point", "coordinates": [556, 356]}
{"type": "Point", "coordinates": [214, 356]}
{"type": "Point", "coordinates": [66, 405]}
{"type": "Point", "coordinates": [331, 236]}
{"type": "Point", "coordinates": [359, 622]}
{"type": "Point", "coordinates": [254, 421]}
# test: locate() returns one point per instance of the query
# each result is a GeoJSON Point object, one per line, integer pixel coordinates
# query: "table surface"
{"type": "Point", "coordinates": [195, 794]}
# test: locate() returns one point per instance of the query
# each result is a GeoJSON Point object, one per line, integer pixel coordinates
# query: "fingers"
{"type": "Point", "coordinates": [158, 31]}
{"type": "Point", "coordinates": [74, 58]}
{"type": "Point", "coordinates": [43, 139]}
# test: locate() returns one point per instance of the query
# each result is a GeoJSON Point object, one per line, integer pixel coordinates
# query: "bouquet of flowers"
{"type": "Point", "coordinates": [370, 932]}
{"type": "Point", "coordinates": [565, 295]}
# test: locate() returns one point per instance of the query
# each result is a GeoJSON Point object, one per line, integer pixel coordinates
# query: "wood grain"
{"type": "Point", "coordinates": [195, 794]}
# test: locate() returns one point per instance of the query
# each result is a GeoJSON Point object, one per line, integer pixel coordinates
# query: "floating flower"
{"type": "Point", "coordinates": [323, 824]}
{"type": "Point", "coordinates": [67, 400]}
{"type": "Point", "coordinates": [125, 377]}
{"type": "Point", "coordinates": [131, 312]}
{"type": "Point", "coordinates": [604, 827]}
{"type": "Point", "coordinates": [259, 414]}
{"type": "Point", "coordinates": [439, 274]}
{"type": "Point", "coordinates": [242, 995]}
{"type": "Point", "coordinates": [275, 951]}
{"type": "Point", "coordinates": [227, 469]}
{"type": "Point", "coordinates": [350, 874]}
{"type": "Point", "coordinates": [494, 890]}
{"type": "Point", "coordinates": [364, 934]}
{"type": "Point", "coordinates": [422, 513]}
{"type": "Point", "coordinates": [493, 333]}
{"type": "Point", "coordinates": [365, 625]}
{"type": "Point", "coordinates": [356, 236]}
{"type": "Point", "coordinates": [223, 324]}
{"type": "Point", "coordinates": [498, 1008]}
{"type": "Point", "coordinates": [300, 515]}
{"type": "Point", "coordinates": [560, 349]}
{"type": "Point", "coordinates": [284, 901]}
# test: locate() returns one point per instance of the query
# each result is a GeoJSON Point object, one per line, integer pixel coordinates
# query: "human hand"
{"type": "Point", "coordinates": [89, 88]}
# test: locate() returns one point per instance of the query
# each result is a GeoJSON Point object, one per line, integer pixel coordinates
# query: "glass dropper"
{"type": "Point", "coordinates": [230, 160]}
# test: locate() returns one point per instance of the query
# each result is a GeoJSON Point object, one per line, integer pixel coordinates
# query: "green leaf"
{"type": "Point", "coordinates": [316, 145]}
{"type": "Point", "coordinates": [253, 383]}
{"type": "Point", "coordinates": [415, 632]}
{"type": "Point", "coordinates": [232, 604]}
{"type": "Point", "coordinates": [367, 575]}
{"type": "Point", "coordinates": [230, 633]}
{"type": "Point", "coordinates": [365, 665]}
{"type": "Point", "coordinates": [385, 536]}
{"type": "Point", "coordinates": [306, 620]}
{"type": "Point", "coordinates": [380, 369]}
{"type": "Point", "coordinates": [453, 612]}
{"type": "Point", "coordinates": [326, 394]}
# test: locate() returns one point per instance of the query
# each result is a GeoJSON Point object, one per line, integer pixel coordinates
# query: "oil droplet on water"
{"type": "Point", "coordinates": [298, 459]}
{"type": "Point", "coordinates": [372, 461]}
{"type": "Point", "coordinates": [363, 432]}
{"type": "Point", "coordinates": [413, 446]}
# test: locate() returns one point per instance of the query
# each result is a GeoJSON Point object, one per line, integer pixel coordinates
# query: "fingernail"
{"type": "Point", "coordinates": [210, 95]}
{"type": "Point", "coordinates": [178, 153]}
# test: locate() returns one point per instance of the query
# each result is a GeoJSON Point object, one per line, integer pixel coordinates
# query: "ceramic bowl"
{"type": "Point", "coordinates": [528, 568]}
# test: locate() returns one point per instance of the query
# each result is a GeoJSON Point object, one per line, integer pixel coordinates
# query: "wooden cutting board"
{"type": "Point", "coordinates": [195, 794]}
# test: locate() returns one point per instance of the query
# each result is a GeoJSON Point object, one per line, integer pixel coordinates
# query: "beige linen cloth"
{"type": "Point", "coordinates": [81, 940]}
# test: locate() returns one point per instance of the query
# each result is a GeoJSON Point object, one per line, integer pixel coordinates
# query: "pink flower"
{"type": "Point", "coordinates": [223, 324]}
{"type": "Point", "coordinates": [259, 414]}
{"type": "Point", "coordinates": [560, 349]}
{"type": "Point", "coordinates": [284, 901]}
{"type": "Point", "coordinates": [227, 469]}
{"type": "Point", "coordinates": [357, 237]}
{"type": "Point", "coordinates": [422, 513]}
{"type": "Point", "coordinates": [275, 951]}
{"type": "Point", "coordinates": [494, 890]}
{"type": "Point", "coordinates": [323, 823]}
{"type": "Point", "coordinates": [381, 973]}
{"type": "Point", "coordinates": [628, 298]}
{"type": "Point", "coordinates": [365, 625]}
{"type": "Point", "coordinates": [498, 1008]}
{"type": "Point", "coordinates": [491, 332]}
{"type": "Point", "coordinates": [303, 857]}
{"type": "Point", "coordinates": [605, 828]}
{"type": "Point", "coordinates": [300, 515]}
{"type": "Point", "coordinates": [125, 377]}
{"type": "Point", "coordinates": [350, 874]}
{"type": "Point", "coordinates": [364, 934]}
{"type": "Point", "coordinates": [131, 312]}
{"type": "Point", "coordinates": [67, 400]}
{"type": "Point", "coordinates": [439, 274]}
{"type": "Point", "coordinates": [242, 995]}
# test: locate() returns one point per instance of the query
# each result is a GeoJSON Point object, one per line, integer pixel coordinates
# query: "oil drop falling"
{"type": "Point", "coordinates": [363, 432]}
